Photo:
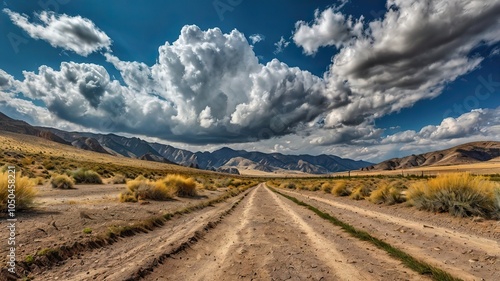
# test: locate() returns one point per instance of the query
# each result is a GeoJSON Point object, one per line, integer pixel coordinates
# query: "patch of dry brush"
{"type": "Point", "coordinates": [460, 194]}
{"type": "Point", "coordinates": [160, 190]}
{"type": "Point", "coordinates": [24, 192]}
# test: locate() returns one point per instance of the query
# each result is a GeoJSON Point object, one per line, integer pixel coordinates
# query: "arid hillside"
{"type": "Point", "coordinates": [469, 153]}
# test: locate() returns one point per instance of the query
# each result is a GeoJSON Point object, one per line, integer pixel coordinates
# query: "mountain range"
{"type": "Point", "coordinates": [469, 153]}
{"type": "Point", "coordinates": [223, 160]}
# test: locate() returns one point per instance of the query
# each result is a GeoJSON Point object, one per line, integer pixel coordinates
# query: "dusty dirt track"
{"type": "Point", "coordinates": [271, 238]}
{"type": "Point", "coordinates": [260, 235]}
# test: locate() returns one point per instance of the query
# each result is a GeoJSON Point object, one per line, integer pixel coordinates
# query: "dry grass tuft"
{"type": "Point", "coordinates": [460, 194]}
{"type": "Point", "coordinates": [62, 182]}
{"type": "Point", "coordinates": [288, 185]}
{"type": "Point", "coordinates": [389, 193]}
{"type": "Point", "coordinates": [161, 190]}
{"type": "Point", "coordinates": [86, 177]}
{"type": "Point", "coordinates": [181, 185]}
{"type": "Point", "coordinates": [326, 187]}
{"type": "Point", "coordinates": [360, 192]}
{"type": "Point", "coordinates": [340, 189]}
{"type": "Point", "coordinates": [118, 179]}
{"type": "Point", "coordinates": [24, 192]}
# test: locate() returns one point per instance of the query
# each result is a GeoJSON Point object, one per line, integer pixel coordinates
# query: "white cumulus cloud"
{"type": "Point", "coordinates": [76, 34]}
{"type": "Point", "coordinates": [329, 28]}
{"type": "Point", "coordinates": [256, 38]}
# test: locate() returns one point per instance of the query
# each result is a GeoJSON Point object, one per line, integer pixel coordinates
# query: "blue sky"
{"type": "Point", "coordinates": [365, 81]}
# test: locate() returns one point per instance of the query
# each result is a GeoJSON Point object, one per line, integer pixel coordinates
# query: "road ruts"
{"type": "Point", "coordinates": [268, 237]}
{"type": "Point", "coordinates": [466, 256]}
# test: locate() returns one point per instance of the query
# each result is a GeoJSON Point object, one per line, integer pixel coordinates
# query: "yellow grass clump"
{"type": "Point", "coordinates": [386, 192]}
{"type": "Point", "coordinates": [86, 176]}
{"type": "Point", "coordinates": [340, 189]}
{"type": "Point", "coordinates": [24, 192]}
{"type": "Point", "coordinates": [181, 185]}
{"type": "Point", "coordinates": [460, 194]}
{"type": "Point", "coordinates": [144, 189]}
{"type": "Point", "coordinates": [161, 190]}
{"type": "Point", "coordinates": [118, 179]}
{"type": "Point", "coordinates": [360, 192]}
{"type": "Point", "coordinates": [61, 182]}
{"type": "Point", "coordinates": [326, 187]}
{"type": "Point", "coordinates": [289, 185]}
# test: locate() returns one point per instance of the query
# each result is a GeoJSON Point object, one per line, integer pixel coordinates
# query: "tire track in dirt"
{"type": "Point", "coordinates": [222, 254]}
{"type": "Point", "coordinates": [126, 257]}
{"type": "Point", "coordinates": [269, 238]}
{"type": "Point", "coordinates": [466, 256]}
{"type": "Point", "coordinates": [327, 250]}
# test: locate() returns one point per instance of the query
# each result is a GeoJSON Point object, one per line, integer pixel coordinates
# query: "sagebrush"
{"type": "Point", "coordinates": [460, 194]}
{"type": "Point", "coordinates": [86, 177]}
{"type": "Point", "coordinates": [62, 182]}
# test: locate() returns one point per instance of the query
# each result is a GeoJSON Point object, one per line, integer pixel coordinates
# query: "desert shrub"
{"type": "Point", "coordinates": [496, 193]}
{"type": "Point", "coordinates": [340, 189]}
{"type": "Point", "coordinates": [128, 196]}
{"type": "Point", "coordinates": [161, 190]}
{"type": "Point", "coordinates": [326, 187]}
{"type": "Point", "coordinates": [62, 182]}
{"type": "Point", "coordinates": [360, 192]}
{"type": "Point", "coordinates": [118, 179]}
{"type": "Point", "coordinates": [237, 182]}
{"type": "Point", "coordinates": [155, 191]}
{"type": "Point", "coordinates": [388, 193]}
{"type": "Point", "coordinates": [180, 185]}
{"type": "Point", "coordinates": [25, 192]}
{"type": "Point", "coordinates": [38, 180]}
{"type": "Point", "coordinates": [26, 161]}
{"type": "Point", "coordinates": [288, 185]}
{"type": "Point", "coordinates": [86, 177]}
{"type": "Point", "coordinates": [4, 168]}
{"type": "Point", "coordinates": [87, 230]}
{"type": "Point", "coordinates": [209, 186]}
{"type": "Point", "coordinates": [313, 186]}
{"type": "Point", "coordinates": [49, 165]}
{"type": "Point", "coordinates": [460, 194]}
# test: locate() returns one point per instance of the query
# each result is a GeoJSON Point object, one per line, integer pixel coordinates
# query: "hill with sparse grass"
{"type": "Point", "coordinates": [469, 153]}
{"type": "Point", "coordinates": [17, 126]}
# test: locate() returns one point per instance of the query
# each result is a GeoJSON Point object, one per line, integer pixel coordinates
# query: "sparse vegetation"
{"type": "Point", "coordinates": [118, 179]}
{"type": "Point", "coordinates": [408, 260]}
{"type": "Point", "coordinates": [62, 182]}
{"type": "Point", "coordinates": [181, 185]}
{"type": "Point", "coordinates": [29, 259]}
{"type": "Point", "coordinates": [161, 190]}
{"type": "Point", "coordinates": [386, 192]}
{"type": "Point", "coordinates": [24, 191]}
{"type": "Point", "coordinates": [38, 180]}
{"type": "Point", "coordinates": [86, 177]}
{"type": "Point", "coordinates": [340, 189]}
{"type": "Point", "coordinates": [87, 230]}
{"type": "Point", "coordinates": [360, 192]}
{"type": "Point", "coordinates": [326, 187]}
{"type": "Point", "coordinates": [288, 185]}
{"type": "Point", "coordinates": [460, 194]}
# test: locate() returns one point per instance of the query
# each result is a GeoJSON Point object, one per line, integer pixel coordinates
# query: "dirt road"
{"type": "Point", "coordinates": [260, 235]}
{"type": "Point", "coordinates": [271, 238]}
{"type": "Point", "coordinates": [465, 255]}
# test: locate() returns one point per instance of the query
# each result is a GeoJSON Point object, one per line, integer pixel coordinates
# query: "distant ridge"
{"type": "Point", "coordinates": [17, 126]}
{"type": "Point", "coordinates": [469, 153]}
{"type": "Point", "coordinates": [224, 160]}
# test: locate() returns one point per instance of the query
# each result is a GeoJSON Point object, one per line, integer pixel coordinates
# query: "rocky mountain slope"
{"type": "Point", "coordinates": [222, 159]}
{"type": "Point", "coordinates": [468, 153]}
{"type": "Point", "coordinates": [21, 127]}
